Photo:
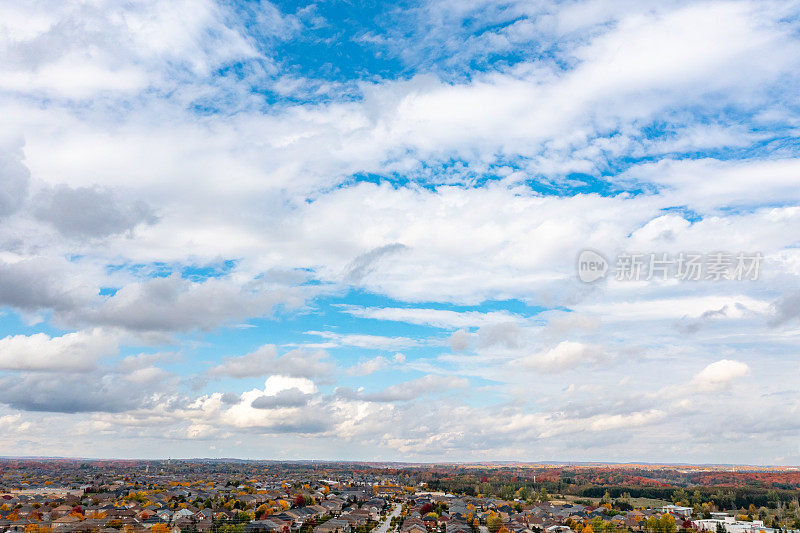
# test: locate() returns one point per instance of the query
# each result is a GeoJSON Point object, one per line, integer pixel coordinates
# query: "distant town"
{"type": "Point", "coordinates": [231, 496]}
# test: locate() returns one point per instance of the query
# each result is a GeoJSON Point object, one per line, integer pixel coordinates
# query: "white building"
{"type": "Point", "coordinates": [731, 525]}
{"type": "Point", "coordinates": [677, 510]}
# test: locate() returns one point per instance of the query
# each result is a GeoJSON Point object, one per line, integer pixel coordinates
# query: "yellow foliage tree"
{"type": "Point", "coordinates": [159, 528]}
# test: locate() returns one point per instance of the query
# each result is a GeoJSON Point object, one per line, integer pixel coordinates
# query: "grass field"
{"type": "Point", "coordinates": [647, 503]}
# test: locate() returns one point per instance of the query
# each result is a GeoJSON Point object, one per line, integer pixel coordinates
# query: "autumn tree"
{"type": "Point", "coordinates": [159, 528]}
{"type": "Point", "coordinates": [494, 523]}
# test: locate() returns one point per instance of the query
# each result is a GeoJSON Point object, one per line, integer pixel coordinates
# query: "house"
{"type": "Point", "coordinates": [265, 525]}
{"type": "Point", "coordinates": [413, 525]}
{"type": "Point", "coordinates": [65, 521]}
{"type": "Point", "coordinates": [457, 526]}
{"type": "Point", "coordinates": [334, 525]}
{"type": "Point", "coordinates": [182, 513]}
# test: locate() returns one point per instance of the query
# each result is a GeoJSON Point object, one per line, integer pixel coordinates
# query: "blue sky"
{"type": "Point", "coordinates": [349, 230]}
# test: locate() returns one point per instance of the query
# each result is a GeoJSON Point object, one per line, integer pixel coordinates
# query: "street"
{"type": "Point", "coordinates": [383, 527]}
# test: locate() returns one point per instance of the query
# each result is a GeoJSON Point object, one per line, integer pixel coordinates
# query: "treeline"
{"type": "Point", "coordinates": [523, 489]}
{"type": "Point", "coordinates": [722, 497]}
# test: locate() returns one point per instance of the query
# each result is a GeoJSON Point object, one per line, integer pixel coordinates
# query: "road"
{"type": "Point", "coordinates": [383, 527]}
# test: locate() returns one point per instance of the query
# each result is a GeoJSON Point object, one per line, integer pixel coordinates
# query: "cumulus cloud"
{"type": "Point", "coordinates": [785, 309]}
{"type": "Point", "coordinates": [279, 383]}
{"type": "Point", "coordinates": [264, 410]}
{"type": "Point", "coordinates": [90, 211]}
{"type": "Point", "coordinates": [460, 340]}
{"type": "Point", "coordinates": [43, 283]}
{"type": "Point", "coordinates": [173, 303]}
{"type": "Point", "coordinates": [230, 398]}
{"type": "Point", "coordinates": [14, 178]}
{"type": "Point", "coordinates": [51, 56]}
{"type": "Point", "coordinates": [298, 363]}
{"type": "Point", "coordinates": [70, 352]}
{"type": "Point", "coordinates": [365, 263]}
{"type": "Point", "coordinates": [410, 390]}
{"type": "Point", "coordinates": [720, 374]}
{"type": "Point", "coordinates": [132, 363]}
{"type": "Point", "coordinates": [88, 392]}
{"type": "Point", "coordinates": [293, 397]}
{"type": "Point", "coordinates": [564, 355]}
{"type": "Point", "coordinates": [376, 364]}
{"type": "Point", "coordinates": [70, 288]}
{"type": "Point", "coordinates": [440, 318]}
{"type": "Point", "coordinates": [692, 326]}
{"type": "Point", "coordinates": [365, 341]}
{"type": "Point", "coordinates": [639, 129]}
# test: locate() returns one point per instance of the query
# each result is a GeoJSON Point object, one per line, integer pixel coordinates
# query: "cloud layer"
{"type": "Point", "coordinates": [214, 231]}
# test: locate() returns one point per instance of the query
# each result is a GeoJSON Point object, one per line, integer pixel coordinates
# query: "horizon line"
{"type": "Point", "coordinates": [552, 463]}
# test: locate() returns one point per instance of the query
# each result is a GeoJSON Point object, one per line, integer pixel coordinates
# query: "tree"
{"type": "Point", "coordinates": [494, 523]}
{"type": "Point", "coordinates": [664, 524]}
{"type": "Point", "coordinates": [667, 523]}
{"type": "Point", "coordinates": [159, 528]}
{"type": "Point", "coordinates": [680, 497]}
{"type": "Point", "coordinates": [721, 528]}
{"type": "Point", "coordinates": [37, 528]}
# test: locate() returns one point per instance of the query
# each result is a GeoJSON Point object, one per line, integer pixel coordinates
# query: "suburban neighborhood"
{"type": "Point", "coordinates": [249, 497]}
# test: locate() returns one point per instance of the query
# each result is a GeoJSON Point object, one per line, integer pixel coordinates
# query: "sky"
{"type": "Point", "coordinates": [351, 230]}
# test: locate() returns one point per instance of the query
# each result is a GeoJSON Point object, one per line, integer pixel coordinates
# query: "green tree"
{"type": "Point", "coordinates": [680, 497]}
{"type": "Point", "coordinates": [494, 523]}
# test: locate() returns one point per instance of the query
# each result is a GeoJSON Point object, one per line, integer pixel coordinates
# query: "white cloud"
{"type": "Point", "coordinates": [439, 318]}
{"type": "Point", "coordinates": [720, 374]}
{"type": "Point", "coordinates": [411, 390]}
{"type": "Point", "coordinates": [78, 50]}
{"type": "Point", "coordinates": [566, 354]}
{"type": "Point", "coordinates": [365, 341]}
{"type": "Point", "coordinates": [277, 383]}
{"type": "Point", "coordinates": [299, 363]}
{"type": "Point", "coordinates": [78, 351]}
{"type": "Point", "coordinates": [120, 171]}
{"type": "Point", "coordinates": [376, 364]}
